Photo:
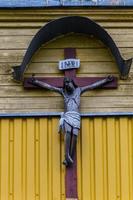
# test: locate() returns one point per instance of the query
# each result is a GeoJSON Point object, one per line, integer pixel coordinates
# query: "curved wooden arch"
{"type": "Point", "coordinates": [71, 24]}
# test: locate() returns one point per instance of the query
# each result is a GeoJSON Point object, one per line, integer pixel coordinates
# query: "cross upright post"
{"type": "Point", "coordinates": [70, 53]}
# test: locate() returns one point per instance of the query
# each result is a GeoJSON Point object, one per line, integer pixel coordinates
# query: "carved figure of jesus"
{"type": "Point", "coordinates": [70, 120]}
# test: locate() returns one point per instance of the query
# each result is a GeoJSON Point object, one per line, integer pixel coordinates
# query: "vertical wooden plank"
{"type": "Point", "coordinates": [124, 159]}
{"type": "Point", "coordinates": [62, 168]}
{"type": "Point", "coordinates": [130, 122]}
{"type": "Point", "coordinates": [86, 184]}
{"type": "Point", "coordinates": [118, 170]}
{"type": "Point", "coordinates": [11, 160]}
{"type": "Point", "coordinates": [37, 159]}
{"type": "Point", "coordinates": [79, 164]}
{"type": "Point", "coordinates": [56, 160]}
{"type": "Point", "coordinates": [105, 164]}
{"type": "Point", "coordinates": [50, 149]}
{"type": "Point", "coordinates": [111, 158]}
{"type": "Point", "coordinates": [24, 159]}
{"type": "Point", "coordinates": [4, 159]}
{"type": "Point", "coordinates": [17, 159]}
{"type": "Point", "coordinates": [44, 185]}
{"type": "Point", "coordinates": [92, 158]}
{"type": "Point", "coordinates": [98, 159]}
{"type": "Point", "coordinates": [30, 159]}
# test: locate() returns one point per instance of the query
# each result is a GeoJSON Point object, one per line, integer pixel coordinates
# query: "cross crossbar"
{"type": "Point", "coordinates": [79, 81]}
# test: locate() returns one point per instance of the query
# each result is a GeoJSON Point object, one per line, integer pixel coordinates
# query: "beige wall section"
{"type": "Point", "coordinates": [17, 28]}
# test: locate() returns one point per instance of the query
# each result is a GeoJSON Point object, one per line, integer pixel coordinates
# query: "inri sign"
{"type": "Point", "coordinates": [69, 64]}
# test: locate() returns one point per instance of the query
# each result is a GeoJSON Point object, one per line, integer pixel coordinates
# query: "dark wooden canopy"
{"type": "Point", "coordinates": [71, 24]}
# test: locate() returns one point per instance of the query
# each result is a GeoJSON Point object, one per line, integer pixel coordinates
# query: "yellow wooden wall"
{"type": "Point", "coordinates": [32, 151]}
{"type": "Point", "coordinates": [17, 28]}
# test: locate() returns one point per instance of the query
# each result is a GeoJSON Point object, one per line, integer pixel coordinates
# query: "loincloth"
{"type": "Point", "coordinates": [72, 118]}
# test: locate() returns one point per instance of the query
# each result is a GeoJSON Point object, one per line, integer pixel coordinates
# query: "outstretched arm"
{"type": "Point", "coordinates": [41, 84]}
{"type": "Point", "coordinates": [97, 84]}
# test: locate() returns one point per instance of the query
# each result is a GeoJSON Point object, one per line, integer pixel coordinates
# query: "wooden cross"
{"type": "Point", "coordinates": [80, 81]}
{"type": "Point", "coordinates": [71, 173]}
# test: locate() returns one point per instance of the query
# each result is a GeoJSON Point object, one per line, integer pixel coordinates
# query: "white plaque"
{"type": "Point", "coordinates": [69, 64]}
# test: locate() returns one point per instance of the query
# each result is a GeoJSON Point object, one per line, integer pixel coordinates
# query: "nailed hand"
{"type": "Point", "coordinates": [33, 80]}
{"type": "Point", "coordinates": [110, 78]}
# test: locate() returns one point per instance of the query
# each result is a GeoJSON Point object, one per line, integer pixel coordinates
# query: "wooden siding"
{"type": "Point", "coordinates": [32, 151]}
{"type": "Point", "coordinates": [17, 28]}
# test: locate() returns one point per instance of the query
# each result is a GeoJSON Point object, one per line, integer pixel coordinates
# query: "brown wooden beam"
{"type": "Point", "coordinates": [79, 81]}
{"type": "Point", "coordinates": [71, 180]}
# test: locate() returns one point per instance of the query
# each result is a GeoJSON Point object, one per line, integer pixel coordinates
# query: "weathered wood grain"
{"type": "Point", "coordinates": [53, 55]}
{"type": "Point", "coordinates": [52, 68]}
{"type": "Point", "coordinates": [84, 111]}
{"type": "Point", "coordinates": [32, 31]}
{"type": "Point", "coordinates": [17, 28]}
{"type": "Point", "coordinates": [101, 15]}
{"type": "Point", "coordinates": [38, 24]}
{"type": "Point", "coordinates": [19, 91]}
{"type": "Point", "coordinates": [57, 103]}
{"type": "Point", "coordinates": [72, 40]}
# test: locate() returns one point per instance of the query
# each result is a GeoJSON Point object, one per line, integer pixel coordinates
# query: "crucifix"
{"type": "Point", "coordinates": [71, 88]}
